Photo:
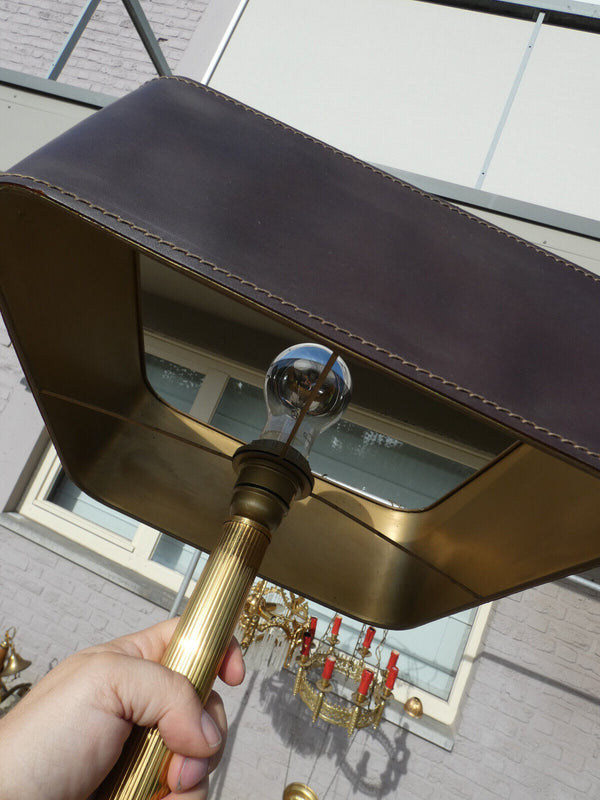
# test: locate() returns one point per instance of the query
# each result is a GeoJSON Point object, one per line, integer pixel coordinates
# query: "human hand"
{"type": "Point", "coordinates": [61, 740]}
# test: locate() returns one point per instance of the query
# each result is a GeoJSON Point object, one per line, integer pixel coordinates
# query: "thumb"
{"type": "Point", "coordinates": [147, 694]}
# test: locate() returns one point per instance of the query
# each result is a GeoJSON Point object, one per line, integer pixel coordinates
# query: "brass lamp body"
{"type": "Point", "coordinates": [267, 483]}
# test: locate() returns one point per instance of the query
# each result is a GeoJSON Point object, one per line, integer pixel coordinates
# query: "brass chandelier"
{"type": "Point", "coordinates": [341, 688]}
{"type": "Point", "coordinates": [11, 665]}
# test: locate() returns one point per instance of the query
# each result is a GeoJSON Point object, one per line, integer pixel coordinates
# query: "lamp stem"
{"type": "Point", "coordinates": [196, 650]}
{"type": "Point", "coordinates": [271, 474]}
{"type": "Point", "coordinates": [265, 487]}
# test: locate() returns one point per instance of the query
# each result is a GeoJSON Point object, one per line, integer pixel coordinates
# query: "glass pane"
{"type": "Point", "coordinates": [429, 655]}
{"type": "Point", "coordinates": [371, 462]}
{"type": "Point", "coordinates": [174, 554]}
{"type": "Point", "coordinates": [241, 411]}
{"type": "Point", "coordinates": [176, 384]}
{"type": "Point", "coordinates": [384, 467]}
{"type": "Point", "coordinates": [66, 495]}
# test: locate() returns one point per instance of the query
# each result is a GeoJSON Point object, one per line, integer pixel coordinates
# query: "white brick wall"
{"type": "Point", "coordinates": [530, 727]}
{"type": "Point", "coordinates": [109, 57]}
{"type": "Point", "coordinates": [59, 607]}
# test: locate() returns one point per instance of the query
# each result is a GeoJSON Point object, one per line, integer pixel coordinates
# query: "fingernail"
{"type": "Point", "coordinates": [211, 733]}
{"type": "Point", "coordinates": [192, 772]}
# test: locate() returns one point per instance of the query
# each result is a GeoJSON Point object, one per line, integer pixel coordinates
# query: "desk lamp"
{"type": "Point", "coordinates": [178, 197]}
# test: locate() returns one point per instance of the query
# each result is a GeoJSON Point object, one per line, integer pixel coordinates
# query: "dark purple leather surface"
{"type": "Point", "coordinates": [374, 264]}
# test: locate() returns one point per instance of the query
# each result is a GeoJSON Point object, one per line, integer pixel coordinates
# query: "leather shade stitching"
{"type": "Point", "coordinates": [382, 174]}
{"type": "Point", "coordinates": [415, 367]}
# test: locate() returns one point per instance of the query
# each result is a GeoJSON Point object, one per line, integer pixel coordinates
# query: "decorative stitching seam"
{"type": "Point", "coordinates": [382, 174]}
{"type": "Point", "coordinates": [410, 365]}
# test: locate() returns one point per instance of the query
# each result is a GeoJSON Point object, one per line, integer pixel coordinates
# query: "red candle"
{"type": "Point", "coordinates": [391, 677]}
{"type": "Point", "coordinates": [328, 668]}
{"type": "Point", "coordinates": [335, 628]}
{"type": "Point", "coordinates": [365, 681]}
{"type": "Point", "coordinates": [368, 637]}
{"type": "Point", "coordinates": [393, 658]}
{"type": "Point", "coordinates": [313, 625]}
{"type": "Point", "coordinates": [306, 643]}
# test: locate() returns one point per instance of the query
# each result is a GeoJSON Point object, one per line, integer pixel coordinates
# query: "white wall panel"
{"type": "Point", "coordinates": [29, 120]}
{"type": "Point", "coordinates": [549, 153]}
{"type": "Point", "coordinates": [581, 250]}
{"type": "Point", "coordinates": [412, 85]}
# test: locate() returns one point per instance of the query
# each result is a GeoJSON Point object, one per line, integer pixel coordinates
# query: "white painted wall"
{"type": "Point", "coordinates": [549, 153]}
{"type": "Point", "coordinates": [29, 120]}
{"type": "Point", "coordinates": [390, 86]}
{"type": "Point", "coordinates": [422, 87]}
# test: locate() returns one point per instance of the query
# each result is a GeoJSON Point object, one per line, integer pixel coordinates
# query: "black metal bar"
{"type": "Point", "coordinates": [72, 39]}
{"type": "Point", "coordinates": [146, 34]}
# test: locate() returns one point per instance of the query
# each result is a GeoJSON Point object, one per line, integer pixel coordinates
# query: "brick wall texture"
{"type": "Point", "coordinates": [109, 57]}
{"type": "Point", "coordinates": [530, 726]}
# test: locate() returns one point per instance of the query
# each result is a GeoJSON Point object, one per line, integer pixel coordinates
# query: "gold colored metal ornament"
{"type": "Point", "coordinates": [352, 713]}
{"type": "Point", "coordinates": [414, 707]}
{"type": "Point", "coordinates": [14, 665]}
{"type": "Point", "coordinates": [269, 608]}
{"type": "Point", "coordinates": [3, 652]}
{"type": "Point", "coordinates": [298, 791]}
{"type": "Point", "coordinates": [11, 666]}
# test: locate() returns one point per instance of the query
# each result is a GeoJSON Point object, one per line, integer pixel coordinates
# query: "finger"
{"type": "Point", "coordinates": [148, 694]}
{"type": "Point", "coordinates": [198, 792]}
{"type": "Point", "coordinates": [215, 708]}
{"type": "Point", "coordinates": [149, 643]}
{"type": "Point", "coordinates": [233, 669]}
{"type": "Point", "coordinates": [184, 773]}
{"type": "Point", "coordinates": [187, 774]}
{"type": "Point", "coordinates": [152, 642]}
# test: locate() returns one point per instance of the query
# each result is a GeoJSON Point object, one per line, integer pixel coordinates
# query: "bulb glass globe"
{"type": "Point", "coordinates": [294, 384]}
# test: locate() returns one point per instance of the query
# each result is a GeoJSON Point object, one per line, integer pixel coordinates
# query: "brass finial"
{"type": "Point", "coordinates": [414, 707]}
{"type": "Point", "coordinates": [299, 791]}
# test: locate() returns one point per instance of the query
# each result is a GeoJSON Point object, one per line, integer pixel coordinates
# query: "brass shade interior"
{"type": "Point", "coordinates": [523, 517]}
{"type": "Point", "coordinates": [194, 316]}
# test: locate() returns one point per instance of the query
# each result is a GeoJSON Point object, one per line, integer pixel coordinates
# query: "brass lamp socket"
{"type": "Point", "coordinates": [269, 478]}
{"type": "Point", "coordinates": [323, 685]}
{"type": "Point", "coordinates": [359, 698]}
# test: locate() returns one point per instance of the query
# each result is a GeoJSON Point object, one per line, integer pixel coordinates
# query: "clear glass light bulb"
{"type": "Point", "coordinates": [289, 382]}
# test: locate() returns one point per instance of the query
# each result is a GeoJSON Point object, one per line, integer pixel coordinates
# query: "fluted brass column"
{"type": "Point", "coordinates": [266, 485]}
{"type": "Point", "coordinates": [307, 388]}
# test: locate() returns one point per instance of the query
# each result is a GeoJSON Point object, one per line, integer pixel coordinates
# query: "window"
{"type": "Point", "coordinates": [361, 450]}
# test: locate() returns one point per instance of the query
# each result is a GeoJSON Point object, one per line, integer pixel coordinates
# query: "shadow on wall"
{"type": "Point", "coordinates": [367, 764]}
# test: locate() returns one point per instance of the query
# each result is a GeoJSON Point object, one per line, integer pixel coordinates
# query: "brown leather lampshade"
{"type": "Point", "coordinates": [447, 323]}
